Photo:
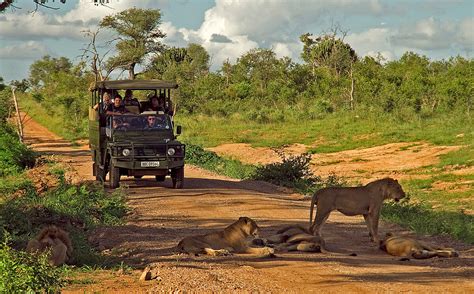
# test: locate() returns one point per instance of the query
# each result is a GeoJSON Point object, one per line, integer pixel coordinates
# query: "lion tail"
{"type": "Point", "coordinates": [314, 201]}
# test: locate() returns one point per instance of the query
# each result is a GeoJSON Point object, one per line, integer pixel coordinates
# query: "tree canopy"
{"type": "Point", "coordinates": [137, 36]}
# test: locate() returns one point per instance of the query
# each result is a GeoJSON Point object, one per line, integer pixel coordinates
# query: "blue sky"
{"type": "Point", "coordinates": [228, 28]}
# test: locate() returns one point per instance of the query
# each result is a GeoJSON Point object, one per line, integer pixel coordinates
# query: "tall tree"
{"type": "Point", "coordinates": [328, 51]}
{"type": "Point", "coordinates": [43, 70]}
{"type": "Point", "coordinates": [138, 33]}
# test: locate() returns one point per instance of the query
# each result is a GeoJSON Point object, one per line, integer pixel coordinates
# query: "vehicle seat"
{"type": "Point", "coordinates": [133, 109]}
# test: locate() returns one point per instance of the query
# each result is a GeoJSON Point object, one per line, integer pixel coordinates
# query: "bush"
{"type": "Point", "coordinates": [79, 208]}
{"type": "Point", "coordinates": [14, 156]}
{"type": "Point", "coordinates": [21, 272]}
{"type": "Point", "coordinates": [293, 172]}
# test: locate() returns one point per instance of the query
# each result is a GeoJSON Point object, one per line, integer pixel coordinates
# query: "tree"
{"type": "Point", "coordinates": [43, 70]}
{"type": "Point", "coordinates": [328, 51]}
{"type": "Point", "coordinates": [138, 35]}
{"type": "Point", "coordinates": [21, 86]}
{"type": "Point", "coordinates": [2, 85]}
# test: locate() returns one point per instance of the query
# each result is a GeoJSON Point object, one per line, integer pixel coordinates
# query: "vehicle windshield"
{"type": "Point", "coordinates": [139, 122]}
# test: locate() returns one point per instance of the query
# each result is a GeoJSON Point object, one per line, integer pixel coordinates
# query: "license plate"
{"type": "Point", "coordinates": [150, 163]}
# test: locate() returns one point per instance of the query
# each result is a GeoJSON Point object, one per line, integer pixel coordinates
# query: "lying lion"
{"type": "Point", "coordinates": [54, 240]}
{"type": "Point", "coordinates": [407, 248]}
{"type": "Point", "coordinates": [233, 239]}
{"type": "Point", "coordinates": [366, 200]}
{"type": "Point", "coordinates": [298, 238]}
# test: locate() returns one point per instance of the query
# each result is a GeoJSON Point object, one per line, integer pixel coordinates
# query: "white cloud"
{"type": "Point", "coordinates": [434, 34]}
{"type": "Point", "coordinates": [27, 50]}
{"type": "Point", "coordinates": [371, 42]}
{"type": "Point", "coordinates": [465, 35]}
{"type": "Point", "coordinates": [22, 25]}
{"type": "Point", "coordinates": [263, 23]}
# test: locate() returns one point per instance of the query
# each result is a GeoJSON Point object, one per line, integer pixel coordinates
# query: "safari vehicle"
{"type": "Point", "coordinates": [127, 144]}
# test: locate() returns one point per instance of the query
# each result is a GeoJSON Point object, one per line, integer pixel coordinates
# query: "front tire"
{"type": "Point", "coordinates": [99, 173]}
{"type": "Point", "coordinates": [177, 176]}
{"type": "Point", "coordinates": [114, 176]}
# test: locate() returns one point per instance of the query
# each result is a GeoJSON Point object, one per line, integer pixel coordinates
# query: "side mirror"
{"type": "Point", "coordinates": [178, 130]}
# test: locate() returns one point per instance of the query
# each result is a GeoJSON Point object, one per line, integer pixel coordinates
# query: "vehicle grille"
{"type": "Point", "coordinates": [151, 151]}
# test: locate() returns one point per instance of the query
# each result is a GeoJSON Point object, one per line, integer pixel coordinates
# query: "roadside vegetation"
{"type": "Point", "coordinates": [35, 192]}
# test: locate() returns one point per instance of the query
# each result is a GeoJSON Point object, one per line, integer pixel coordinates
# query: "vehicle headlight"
{"type": "Point", "coordinates": [171, 151]}
{"type": "Point", "coordinates": [126, 152]}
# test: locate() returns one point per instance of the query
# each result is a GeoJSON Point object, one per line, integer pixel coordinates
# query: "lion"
{"type": "Point", "coordinates": [233, 239]}
{"type": "Point", "coordinates": [298, 238]}
{"type": "Point", "coordinates": [407, 248]}
{"type": "Point", "coordinates": [56, 241]}
{"type": "Point", "coordinates": [366, 200]}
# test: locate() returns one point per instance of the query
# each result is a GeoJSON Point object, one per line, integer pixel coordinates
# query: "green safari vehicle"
{"type": "Point", "coordinates": [138, 142]}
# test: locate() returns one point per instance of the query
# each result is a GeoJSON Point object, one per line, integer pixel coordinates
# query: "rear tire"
{"type": "Point", "coordinates": [177, 176]}
{"type": "Point", "coordinates": [160, 178]}
{"type": "Point", "coordinates": [114, 176]}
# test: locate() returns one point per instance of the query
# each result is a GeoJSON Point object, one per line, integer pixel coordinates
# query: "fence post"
{"type": "Point", "coordinates": [18, 117]}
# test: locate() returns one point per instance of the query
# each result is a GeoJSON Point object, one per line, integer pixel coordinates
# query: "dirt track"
{"type": "Point", "coordinates": [162, 216]}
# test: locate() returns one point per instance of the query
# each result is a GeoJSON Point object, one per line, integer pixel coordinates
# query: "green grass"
{"type": "Point", "coordinates": [448, 199]}
{"type": "Point", "coordinates": [422, 219]}
{"type": "Point", "coordinates": [336, 132]}
{"type": "Point", "coordinates": [81, 207]}
{"type": "Point", "coordinates": [53, 122]}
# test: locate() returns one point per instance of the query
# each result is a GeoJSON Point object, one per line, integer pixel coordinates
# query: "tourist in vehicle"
{"type": "Point", "coordinates": [117, 107]}
{"type": "Point", "coordinates": [129, 100]}
{"type": "Point", "coordinates": [119, 125]}
{"type": "Point", "coordinates": [155, 122]}
{"type": "Point", "coordinates": [150, 122]}
{"type": "Point", "coordinates": [106, 101]}
{"type": "Point", "coordinates": [155, 104]}
{"type": "Point", "coordinates": [165, 104]}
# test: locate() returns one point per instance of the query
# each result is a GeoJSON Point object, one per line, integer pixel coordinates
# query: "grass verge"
{"type": "Point", "coordinates": [422, 219]}
{"type": "Point", "coordinates": [335, 132]}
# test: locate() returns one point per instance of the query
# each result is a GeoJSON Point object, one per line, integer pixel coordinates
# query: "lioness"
{"type": "Point", "coordinates": [410, 248]}
{"type": "Point", "coordinates": [298, 238]}
{"type": "Point", "coordinates": [234, 238]}
{"type": "Point", "coordinates": [366, 200]}
{"type": "Point", "coordinates": [54, 239]}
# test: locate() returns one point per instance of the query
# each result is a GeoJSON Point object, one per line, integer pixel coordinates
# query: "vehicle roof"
{"type": "Point", "coordinates": [133, 85]}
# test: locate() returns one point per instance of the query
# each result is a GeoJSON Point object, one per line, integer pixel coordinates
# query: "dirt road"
{"type": "Point", "coordinates": [161, 216]}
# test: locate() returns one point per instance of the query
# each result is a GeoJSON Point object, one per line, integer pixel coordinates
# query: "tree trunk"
{"type": "Point", "coordinates": [352, 90]}
{"type": "Point", "coordinates": [131, 71]}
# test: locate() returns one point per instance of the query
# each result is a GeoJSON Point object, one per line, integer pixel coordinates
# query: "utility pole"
{"type": "Point", "coordinates": [18, 117]}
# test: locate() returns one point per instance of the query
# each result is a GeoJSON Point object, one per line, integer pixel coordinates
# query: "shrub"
{"type": "Point", "coordinates": [14, 156]}
{"type": "Point", "coordinates": [292, 171]}
{"type": "Point", "coordinates": [21, 272]}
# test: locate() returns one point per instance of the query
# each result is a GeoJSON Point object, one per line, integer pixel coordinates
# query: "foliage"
{"type": "Point", "coordinates": [138, 35]}
{"type": "Point", "coordinates": [328, 51]}
{"type": "Point", "coordinates": [292, 171]}
{"type": "Point", "coordinates": [14, 156]}
{"type": "Point", "coordinates": [6, 105]}
{"type": "Point", "coordinates": [21, 272]}
{"type": "Point", "coordinates": [211, 161]}
{"type": "Point", "coordinates": [61, 88]}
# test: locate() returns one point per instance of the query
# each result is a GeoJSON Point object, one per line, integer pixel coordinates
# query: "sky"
{"type": "Point", "coordinates": [227, 29]}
